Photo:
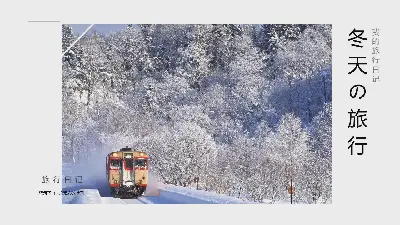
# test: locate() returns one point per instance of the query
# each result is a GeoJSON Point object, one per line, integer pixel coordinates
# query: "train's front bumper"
{"type": "Point", "coordinates": [129, 188]}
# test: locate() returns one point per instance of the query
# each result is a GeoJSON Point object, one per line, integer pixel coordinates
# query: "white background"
{"type": "Point", "coordinates": [365, 188]}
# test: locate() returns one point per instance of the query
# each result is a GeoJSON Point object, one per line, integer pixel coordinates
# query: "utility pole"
{"type": "Point", "coordinates": [196, 179]}
{"type": "Point", "coordinates": [291, 170]}
{"type": "Point", "coordinates": [291, 192]}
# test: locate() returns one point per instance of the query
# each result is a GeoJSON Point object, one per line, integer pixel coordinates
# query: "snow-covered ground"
{"type": "Point", "coordinates": [185, 194]}
{"type": "Point", "coordinates": [92, 196]}
{"type": "Point", "coordinates": [165, 194]}
{"type": "Point", "coordinates": [94, 190]}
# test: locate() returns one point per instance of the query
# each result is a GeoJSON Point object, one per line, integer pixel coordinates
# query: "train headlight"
{"type": "Point", "coordinates": [141, 154]}
{"type": "Point", "coordinates": [115, 154]}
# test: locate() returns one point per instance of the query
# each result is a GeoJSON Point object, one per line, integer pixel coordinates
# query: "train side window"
{"type": "Point", "coordinates": [114, 164]}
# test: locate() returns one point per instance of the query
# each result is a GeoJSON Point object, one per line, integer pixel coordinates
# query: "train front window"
{"type": "Point", "coordinates": [140, 163]}
{"type": "Point", "coordinates": [128, 164]}
{"type": "Point", "coordinates": [114, 164]}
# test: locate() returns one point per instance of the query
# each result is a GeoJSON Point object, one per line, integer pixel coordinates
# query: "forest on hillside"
{"type": "Point", "coordinates": [246, 108]}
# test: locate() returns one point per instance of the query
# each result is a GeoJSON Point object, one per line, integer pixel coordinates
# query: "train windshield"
{"type": "Point", "coordinates": [140, 163]}
{"type": "Point", "coordinates": [114, 164]}
{"type": "Point", "coordinates": [128, 164]}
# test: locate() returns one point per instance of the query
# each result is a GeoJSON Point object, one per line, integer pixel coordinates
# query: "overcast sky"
{"type": "Point", "coordinates": [102, 28]}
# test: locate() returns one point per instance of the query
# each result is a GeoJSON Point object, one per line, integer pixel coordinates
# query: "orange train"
{"type": "Point", "coordinates": [127, 172]}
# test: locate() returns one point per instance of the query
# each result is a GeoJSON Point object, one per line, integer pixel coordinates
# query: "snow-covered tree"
{"type": "Point", "coordinates": [320, 167]}
{"type": "Point", "coordinates": [290, 148]}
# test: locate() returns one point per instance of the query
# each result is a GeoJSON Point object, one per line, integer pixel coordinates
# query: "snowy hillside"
{"type": "Point", "coordinates": [245, 108]}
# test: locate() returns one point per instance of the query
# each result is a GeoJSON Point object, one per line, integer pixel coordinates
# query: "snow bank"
{"type": "Point", "coordinates": [88, 196]}
{"type": "Point", "coordinates": [204, 195]}
{"type": "Point", "coordinates": [153, 186]}
{"type": "Point", "coordinates": [92, 196]}
{"type": "Point", "coordinates": [82, 177]}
